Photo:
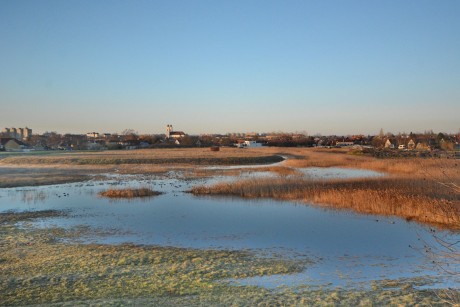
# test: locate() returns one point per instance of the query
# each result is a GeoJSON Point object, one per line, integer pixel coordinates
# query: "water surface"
{"type": "Point", "coordinates": [347, 248]}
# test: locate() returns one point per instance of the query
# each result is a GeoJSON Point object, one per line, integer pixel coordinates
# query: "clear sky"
{"type": "Point", "coordinates": [330, 67]}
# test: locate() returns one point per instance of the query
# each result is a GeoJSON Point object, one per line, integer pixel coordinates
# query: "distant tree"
{"type": "Point", "coordinates": [226, 141]}
{"type": "Point", "coordinates": [53, 139]}
{"type": "Point", "coordinates": [128, 132]}
{"type": "Point", "coordinates": [188, 141]}
{"type": "Point", "coordinates": [440, 137]}
{"type": "Point", "coordinates": [151, 139]}
{"type": "Point", "coordinates": [37, 141]}
{"type": "Point", "coordinates": [378, 142]}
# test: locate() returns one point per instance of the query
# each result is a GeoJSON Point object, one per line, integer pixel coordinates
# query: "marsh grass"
{"type": "Point", "coordinates": [17, 177]}
{"type": "Point", "coordinates": [417, 199]}
{"type": "Point", "coordinates": [129, 193]}
{"type": "Point", "coordinates": [407, 167]}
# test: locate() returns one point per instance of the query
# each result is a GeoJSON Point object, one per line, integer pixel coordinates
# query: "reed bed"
{"type": "Point", "coordinates": [413, 167]}
{"type": "Point", "coordinates": [420, 200]}
{"type": "Point", "coordinates": [129, 193]}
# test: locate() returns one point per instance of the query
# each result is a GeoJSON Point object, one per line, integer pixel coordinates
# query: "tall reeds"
{"type": "Point", "coordinates": [417, 199]}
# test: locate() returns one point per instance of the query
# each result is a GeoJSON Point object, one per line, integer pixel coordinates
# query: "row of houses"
{"type": "Point", "coordinates": [130, 140]}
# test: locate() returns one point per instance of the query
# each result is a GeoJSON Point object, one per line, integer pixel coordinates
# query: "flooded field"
{"type": "Point", "coordinates": [345, 249]}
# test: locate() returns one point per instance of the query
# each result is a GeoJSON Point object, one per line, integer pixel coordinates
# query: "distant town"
{"type": "Point", "coordinates": [22, 139]}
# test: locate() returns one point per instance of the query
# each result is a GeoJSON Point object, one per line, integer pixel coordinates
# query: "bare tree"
{"type": "Point", "coordinates": [445, 251]}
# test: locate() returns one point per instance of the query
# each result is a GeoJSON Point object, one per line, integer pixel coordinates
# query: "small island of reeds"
{"type": "Point", "coordinates": [129, 193]}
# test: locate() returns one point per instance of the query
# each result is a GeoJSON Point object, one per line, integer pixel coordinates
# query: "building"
{"type": "Point", "coordinates": [171, 134]}
{"type": "Point", "coordinates": [344, 144]}
{"type": "Point", "coordinates": [388, 144]}
{"type": "Point", "coordinates": [422, 146]}
{"type": "Point", "coordinates": [17, 133]}
{"type": "Point", "coordinates": [411, 144]}
{"type": "Point", "coordinates": [92, 135]}
{"type": "Point", "coordinates": [11, 144]}
{"type": "Point", "coordinates": [247, 144]}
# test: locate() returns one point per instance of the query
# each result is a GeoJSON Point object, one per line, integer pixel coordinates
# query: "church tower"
{"type": "Point", "coordinates": [169, 129]}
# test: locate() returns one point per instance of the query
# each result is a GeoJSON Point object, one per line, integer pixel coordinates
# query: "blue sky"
{"type": "Point", "coordinates": [330, 67]}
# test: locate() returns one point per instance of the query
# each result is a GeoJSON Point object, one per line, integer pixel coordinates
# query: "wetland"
{"type": "Point", "coordinates": [242, 245]}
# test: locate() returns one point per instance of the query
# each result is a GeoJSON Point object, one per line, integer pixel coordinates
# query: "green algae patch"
{"type": "Point", "coordinates": [47, 266]}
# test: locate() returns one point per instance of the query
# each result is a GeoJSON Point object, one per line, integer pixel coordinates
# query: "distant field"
{"type": "Point", "coordinates": [195, 156]}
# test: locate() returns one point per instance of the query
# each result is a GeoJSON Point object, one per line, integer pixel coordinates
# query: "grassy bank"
{"type": "Point", "coordinates": [417, 199]}
{"type": "Point", "coordinates": [36, 267]}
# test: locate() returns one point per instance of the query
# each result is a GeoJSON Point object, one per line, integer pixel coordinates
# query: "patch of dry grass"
{"type": "Point", "coordinates": [25, 176]}
{"type": "Point", "coordinates": [129, 193]}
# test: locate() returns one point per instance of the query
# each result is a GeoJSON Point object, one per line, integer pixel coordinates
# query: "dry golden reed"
{"type": "Point", "coordinates": [129, 193]}
{"type": "Point", "coordinates": [420, 200]}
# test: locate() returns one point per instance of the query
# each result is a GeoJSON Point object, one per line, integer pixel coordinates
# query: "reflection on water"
{"type": "Point", "coordinates": [29, 196]}
{"type": "Point", "coordinates": [338, 173]}
{"type": "Point", "coordinates": [346, 247]}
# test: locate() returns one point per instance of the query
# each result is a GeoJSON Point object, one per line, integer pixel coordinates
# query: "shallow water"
{"type": "Point", "coordinates": [338, 173]}
{"type": "Point", "coordinates": [347, 248]}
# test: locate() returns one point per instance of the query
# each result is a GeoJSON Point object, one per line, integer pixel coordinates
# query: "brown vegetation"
{"type": "Point", "coordinates": [194, 156]}
{"type": "Point", "coordinates": [308, 157]}
{"type": "Point", "coordinates": [129, 193]}
{"type": "Point", "coordinates": [26, 176]}
{"type": "Point", "coordinates": [418, 199]}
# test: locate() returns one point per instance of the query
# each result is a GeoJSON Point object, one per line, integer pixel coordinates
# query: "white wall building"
{"type": "Point", "coordinates": [170, 133]}
{"type": "Point", "coordinates": [248, 144]}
